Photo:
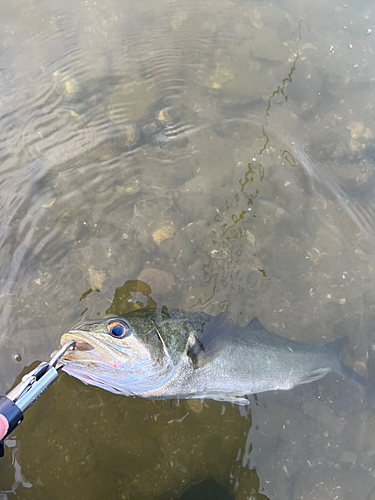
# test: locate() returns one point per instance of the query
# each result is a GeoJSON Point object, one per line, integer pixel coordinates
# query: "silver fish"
{"type": "Point", "coordinates": [169, 354]}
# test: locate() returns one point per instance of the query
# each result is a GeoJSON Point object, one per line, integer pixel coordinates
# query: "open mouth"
{"type": "Point", "coordinates": [87, 350]}
{"type": "Point", "coordinates": [81, 345]}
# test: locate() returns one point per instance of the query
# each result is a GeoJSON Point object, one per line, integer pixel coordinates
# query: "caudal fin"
{"type": "Point", "coordinates": [350, 374]}
{"type": "Point", "coordinates": [336, 347]}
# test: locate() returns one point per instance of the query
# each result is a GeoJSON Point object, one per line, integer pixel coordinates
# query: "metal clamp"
{"type": "Point", "coordinates": [33, 384]}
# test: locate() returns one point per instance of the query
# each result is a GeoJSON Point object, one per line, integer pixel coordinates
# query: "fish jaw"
{"type": "Point", "coordinates": [89, 352]}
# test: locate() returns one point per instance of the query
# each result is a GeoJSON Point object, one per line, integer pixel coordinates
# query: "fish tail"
{"type": "Point", "coordinates": [336, 348]}
{"type": "Point", "coordinates": [337, 345]}
{"type": "Point", "coordinates": [352, 375]}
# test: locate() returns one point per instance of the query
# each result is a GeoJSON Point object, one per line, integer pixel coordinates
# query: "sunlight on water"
{"type": "Point", "coordinates": [210, 156]}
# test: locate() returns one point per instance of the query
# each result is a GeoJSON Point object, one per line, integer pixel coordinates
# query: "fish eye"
{"type": "Point", "coordinates": [118, 329]}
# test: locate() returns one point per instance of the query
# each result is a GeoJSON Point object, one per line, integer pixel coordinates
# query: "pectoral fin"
{"type": "Point", "coordinates": [205, 346]}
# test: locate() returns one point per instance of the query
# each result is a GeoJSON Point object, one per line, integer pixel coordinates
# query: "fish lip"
{"type": "Point", "coordinates": [100, 352]}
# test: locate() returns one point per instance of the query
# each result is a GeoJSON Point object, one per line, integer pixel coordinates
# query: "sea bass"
{"type": "Point", "coordinates": [170, 354]}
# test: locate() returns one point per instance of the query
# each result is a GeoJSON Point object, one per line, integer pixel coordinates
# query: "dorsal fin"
{"type": "Point", "coordinates": [255, 324]}
{"type": "Point", "coordinates": [207, 344]}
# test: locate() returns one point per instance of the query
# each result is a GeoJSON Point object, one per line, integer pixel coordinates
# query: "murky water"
{"type": "Point", "coordinates": [212, 156]}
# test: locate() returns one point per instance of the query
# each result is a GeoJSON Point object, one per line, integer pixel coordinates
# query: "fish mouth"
{"type": "Point", "coordinates": [87, 350]}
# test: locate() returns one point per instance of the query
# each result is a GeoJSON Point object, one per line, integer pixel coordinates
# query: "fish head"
{"type": "Point", "coordinates": [122, 355]}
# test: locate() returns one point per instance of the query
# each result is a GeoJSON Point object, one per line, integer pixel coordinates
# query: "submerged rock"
{"type": "Point", "coordinates": [266, 45]}
{"type": "Point", "coordinates": [159, 281]}
{"type": "Point", "coordinates": [360, 432]}
{"type": "Point", "coordinates": [324, 415]}
{"type": "Point", "coordinates": [163, 232]}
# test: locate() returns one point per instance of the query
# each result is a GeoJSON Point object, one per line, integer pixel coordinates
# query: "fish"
{"type": "Point", "coordinates": [161, 353]}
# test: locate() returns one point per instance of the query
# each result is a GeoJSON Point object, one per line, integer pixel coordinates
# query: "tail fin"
{"type": "Point", "coordinates": [336, 347]}
{"type": "Point", "coordinates": [350, 374]}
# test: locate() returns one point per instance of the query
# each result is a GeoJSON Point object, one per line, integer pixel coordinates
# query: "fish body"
{"type": "Point", "coordinates": [169, 354]}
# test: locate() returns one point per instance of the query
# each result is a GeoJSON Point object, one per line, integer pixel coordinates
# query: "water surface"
{"type": "Point", "coordinates": [211, 156]}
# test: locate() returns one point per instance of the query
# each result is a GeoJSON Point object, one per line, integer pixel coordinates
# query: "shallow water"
{"type": "Point", "coordinates": [210, 156]}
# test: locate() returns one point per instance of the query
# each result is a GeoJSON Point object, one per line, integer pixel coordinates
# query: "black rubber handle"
{"type": "Point", "coordinates": [14, 416]}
